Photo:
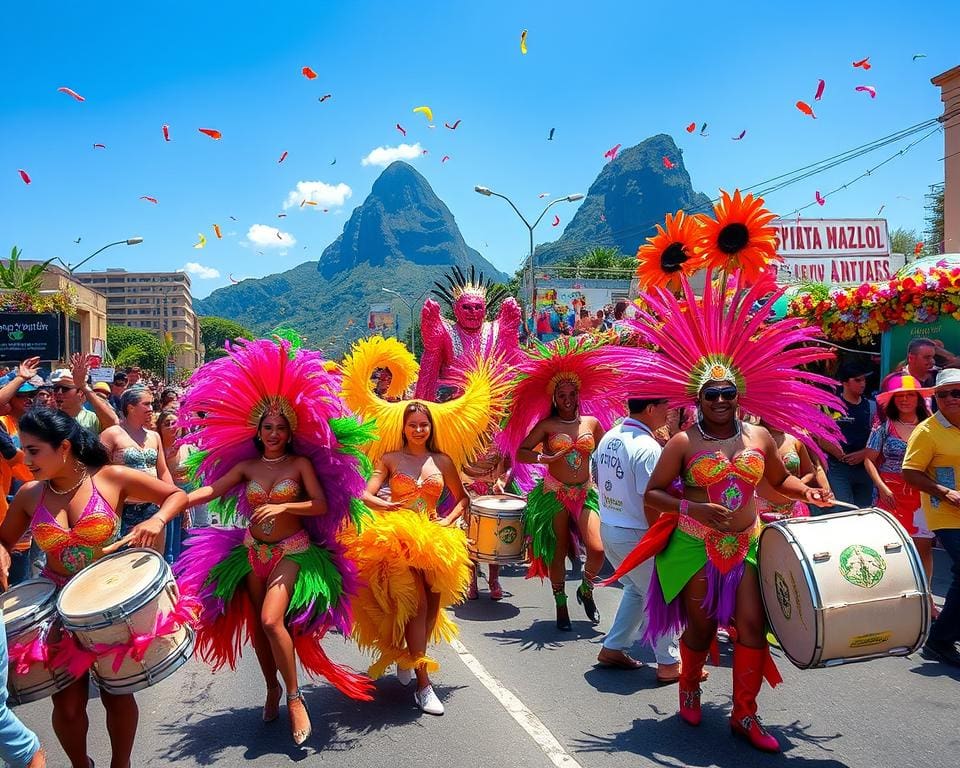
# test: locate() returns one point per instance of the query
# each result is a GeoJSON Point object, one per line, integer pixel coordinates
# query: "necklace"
{"type": "Point", "coordinates": [71, 489]}
{"type": "Point", "coordinates": [569, 421]}
{"type": "Point", "coordinates": [277, 460]}
{"type": "Point", "coordinates": [706, 436]}
{"type": "Point", "coordinates": [906, 423]}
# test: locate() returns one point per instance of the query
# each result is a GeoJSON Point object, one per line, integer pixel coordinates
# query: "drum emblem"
{"type": "Point", "coordinates": [783, 594]}
{"type": "Point", "coordinates": [507, 534]}
{"type": "Point", "coordinates": [862, 566]}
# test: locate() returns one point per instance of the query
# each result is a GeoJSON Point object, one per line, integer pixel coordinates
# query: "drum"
{"type": "Point", "coordinates": [843, 587]}
{"type": "Point", "coordinates": [30, 614]}
{"type": "Point", "coordinates": [496, 529]}
{"type": "Point", "coordinates": [116, 609]}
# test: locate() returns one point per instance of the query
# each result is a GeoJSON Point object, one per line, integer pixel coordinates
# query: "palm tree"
{"type": "Point", "coordinates": [15, 278]}
{"type": "Point", "coordinates": [170, 349]}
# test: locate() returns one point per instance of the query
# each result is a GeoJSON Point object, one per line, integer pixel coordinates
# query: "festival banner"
{"type": "Point", "coordinates": [559, 308]}
{"type": "Point", "coordinates": [28, 334]}
{"type": "Point", "coordinates": [380, 317]}
{"type": "Point", "coordinates": [836, 251]}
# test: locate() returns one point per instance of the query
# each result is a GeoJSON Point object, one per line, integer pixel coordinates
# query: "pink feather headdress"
{"type": "Point", "coordinates": [605, 376]}
{"type": "Point", "coordinates": [727, 336]}
{"type": "Point", "coordinates": [232, 394]}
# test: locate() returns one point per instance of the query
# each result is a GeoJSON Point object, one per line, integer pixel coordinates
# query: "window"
{"type": "Point", "coordinates": [175, 324]}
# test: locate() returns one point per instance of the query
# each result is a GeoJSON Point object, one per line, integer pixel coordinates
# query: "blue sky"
{"type": "Point", "coordinates": [600, 73]}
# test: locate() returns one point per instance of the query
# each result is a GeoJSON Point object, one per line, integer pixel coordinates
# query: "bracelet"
{"type": "Point", "coordinates": [684, 507]}
{"type": "Point", "coordinates": [539, 458]}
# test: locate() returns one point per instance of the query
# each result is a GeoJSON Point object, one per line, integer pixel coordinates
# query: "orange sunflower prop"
{"type": "Point", "coordinates": [738, 237]}
{"type": "Point", "coordinates": [669, 254]}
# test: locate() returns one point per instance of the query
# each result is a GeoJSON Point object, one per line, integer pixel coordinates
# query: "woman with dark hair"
{"type": "Point", "coordinates": [71, 509]}
{"type": "Point", "coordinates": [132, 443]}
{"type": "Point", "coordinates": [904, 405]}
{"type": "Point", "coordinates": [414, 563]}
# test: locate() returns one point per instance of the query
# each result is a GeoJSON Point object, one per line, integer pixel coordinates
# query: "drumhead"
{"type": "Point", "coordinates": [111, 581]}
{"type": "Point", "coordinates": [499, 504]}
{"type": "Point", "coordinates": [27, 603]}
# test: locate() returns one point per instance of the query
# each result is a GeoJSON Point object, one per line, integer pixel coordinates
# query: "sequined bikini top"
{"type": "Point", "coordinates": [280, 491]}
{"type": "Point", "coordinates": [76, 547]}
{"type": "Point", "coordinates": [142, 459]}
{"type": "Point", "coordinates": [419, 495]}
{"type": "Point", "coordinates": [577, 451]}
{"type": "Point", "coordinates": [729, 482]}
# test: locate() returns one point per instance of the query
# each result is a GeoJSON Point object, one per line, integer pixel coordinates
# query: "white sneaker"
{"type": "Point", "coordinates": [427, 700]}
{"type": "Point", "coordinates": [404, 676]}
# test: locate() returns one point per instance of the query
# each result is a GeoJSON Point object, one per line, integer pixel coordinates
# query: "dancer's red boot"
{"type": "Point", "coordinates": [691, 672]}
{"type": "Point", "coordinates": [748, 666]}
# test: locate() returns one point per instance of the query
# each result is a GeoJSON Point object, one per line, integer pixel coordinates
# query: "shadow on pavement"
{"type": "Point", "coordinates": [486, 609]}
{"type": "Point", "coordinates": [544, 635]}
{"type": "Point", "coordinates": [338, 724]}
{"type": "Point", "coordinates": [672, 743]}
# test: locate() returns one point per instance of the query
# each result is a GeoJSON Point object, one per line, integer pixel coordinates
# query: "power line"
{"type": "Point", "coordinates": [610, 237]}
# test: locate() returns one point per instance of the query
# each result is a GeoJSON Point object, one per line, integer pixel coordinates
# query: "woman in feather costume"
{"type": "Point", "coordinates": [723, 354]}
{"type": "Point", "coordinates": [413, 564]}
{"type": "Point", "coordinates": [567, 394]}
{"type": "Point", "coordinates": [275, 442]}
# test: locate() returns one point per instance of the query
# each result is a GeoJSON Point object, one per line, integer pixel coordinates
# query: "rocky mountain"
{"type": "Point", "coordinates": [402, 237]}
{"type": "Point", "coordinates": [632, 193]}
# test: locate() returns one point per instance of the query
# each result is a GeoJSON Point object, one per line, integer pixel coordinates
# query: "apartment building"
{"type": "Point", "coordinates": [159, 302]}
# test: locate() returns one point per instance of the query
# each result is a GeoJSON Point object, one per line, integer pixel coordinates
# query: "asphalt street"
{"type": "Point", "coordinates": [894, 712]}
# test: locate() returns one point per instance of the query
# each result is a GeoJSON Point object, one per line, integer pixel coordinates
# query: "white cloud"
{"type": "Point", "coordinates": [383, 156]}
{"type": "Point", "coordinates": [324, 195]}
{"type": "Point", "coordinates": [200, 271]}
{"type": "Point", "coordinates": [270, 237]}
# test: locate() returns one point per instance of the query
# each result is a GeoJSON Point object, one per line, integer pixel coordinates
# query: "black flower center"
{"type": "Point", "coordinates": [673, 258]}
{"type": "Point", "coordinates": [733, 238]}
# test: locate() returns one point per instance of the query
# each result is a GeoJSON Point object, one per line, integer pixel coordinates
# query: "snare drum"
{"type": "Point", "coordinates": [843, 587]}
{"type": "Point", "coordinates": [114, 606]}
{"type": "Point", "coordinates": [496, 529]}
{"type": "Point", "coordinates": [30, 615]}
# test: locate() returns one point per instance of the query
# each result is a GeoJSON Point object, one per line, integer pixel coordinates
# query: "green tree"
{"type": "Point", "coordinates": [934, 233]}
{"type": "Point", "coordinates": [903, 241]}
{"type": "Point", "coordinates": [214, 331]}
{"type": "Point", "coordinates": [170, 348]}
{"type": "Point", "coordinates": [599, 262]}
{"type": "Point", "coordinates": [135, 347]}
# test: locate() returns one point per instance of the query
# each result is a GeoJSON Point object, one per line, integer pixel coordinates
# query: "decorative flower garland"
{"type": "Point", "coordinates": [864, 312]}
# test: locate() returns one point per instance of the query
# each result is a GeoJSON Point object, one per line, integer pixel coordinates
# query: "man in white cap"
{"type": "Point", "coordinates": [71, 389]}
{"type": "Point", "coordinates": [932, 466]}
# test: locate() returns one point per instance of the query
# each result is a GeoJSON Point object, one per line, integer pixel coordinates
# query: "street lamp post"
{"type": "Point", "coordinates": [411, 306]}
{"type": "Point", "coordinates": [75, 267]}
{"type": "Point", "coordinates": [486, 192]}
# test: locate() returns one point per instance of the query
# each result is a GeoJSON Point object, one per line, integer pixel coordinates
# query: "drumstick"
{"type": "Point", "coordinates": [844, 504]}
{"type": "Point", "coordinates": [111, 548]}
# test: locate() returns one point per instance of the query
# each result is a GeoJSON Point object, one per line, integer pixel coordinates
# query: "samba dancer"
{"type": "Point", "coordinates": [281, 449]}
{"type": "Point", "coordinates": [413, 563]}
{"type": "Point", "coordinates": [567, 394]}
{"type": "Point", "coordinates": [72, 513]}
{"type": "Point", "coordinates": [722, 355]}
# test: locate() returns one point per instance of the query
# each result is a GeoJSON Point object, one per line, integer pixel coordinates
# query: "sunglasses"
{"type": "Point", "coordinates": [943, 394]}
{"type": "Point", "coordinates": [712, 394]}
{"type": "Point", "coordinates": [61, 389]}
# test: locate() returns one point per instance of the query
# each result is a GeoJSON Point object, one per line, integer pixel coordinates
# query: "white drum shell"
{"type": "Point", "coordinates": [843, 587]}
{"type": "Point", "coordinates": [108, 622]}
{"type": "Point", "coordinates": [496, 529]}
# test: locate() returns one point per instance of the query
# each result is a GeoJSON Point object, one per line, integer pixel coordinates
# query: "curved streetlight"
{"type": "Point", "coordinates": [487, 192]}
{"type": "Point", "coordinates": [411, 307]}
{"type": "Point", "coordinates": [75, 267]}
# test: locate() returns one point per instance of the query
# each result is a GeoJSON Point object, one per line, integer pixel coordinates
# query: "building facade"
{"type": "Point", "coordinates": [157, 302]}
{"type": "Point", "coordinates": [949, 84]}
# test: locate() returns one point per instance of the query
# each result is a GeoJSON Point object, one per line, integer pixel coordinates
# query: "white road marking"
{"type": "Point", "coordinates": [519, 711]}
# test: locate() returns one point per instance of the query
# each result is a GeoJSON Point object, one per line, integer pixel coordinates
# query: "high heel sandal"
{"type": "Point", "coordinates": [589, 607]}
{"type": "Point", "coordinates": [301, 735]}
{"type": "Point", "coordinates": [271, 708]}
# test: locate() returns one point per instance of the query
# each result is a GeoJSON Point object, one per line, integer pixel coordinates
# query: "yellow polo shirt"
{"type": "Point", "coordinates": [934, 449]}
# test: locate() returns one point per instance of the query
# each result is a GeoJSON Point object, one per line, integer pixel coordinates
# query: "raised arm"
{"type": "Point", "coordinates": [210, 492]}
{"type": "Point", "coordinates": [25, 371]}
{"type": "Point", "coordinates": [80, 369]}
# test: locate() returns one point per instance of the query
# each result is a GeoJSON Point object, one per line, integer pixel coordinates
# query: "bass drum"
{"type": "Point", "coordinates": [844, 587]}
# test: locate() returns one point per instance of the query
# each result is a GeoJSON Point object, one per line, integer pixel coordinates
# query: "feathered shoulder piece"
{"type": "Point", "coordinates": [463, 426]}
{"type": "Point", "coordinates": [377, 352]}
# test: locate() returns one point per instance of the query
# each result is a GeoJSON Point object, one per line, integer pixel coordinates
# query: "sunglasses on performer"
{"type": "Point", "coordinates": [945, 393]}
{"type": "Point", "coordinates": [712, 394]}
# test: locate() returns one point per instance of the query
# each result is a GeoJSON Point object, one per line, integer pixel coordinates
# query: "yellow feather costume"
{"type": "Point", "coordinates": [392, 546]}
